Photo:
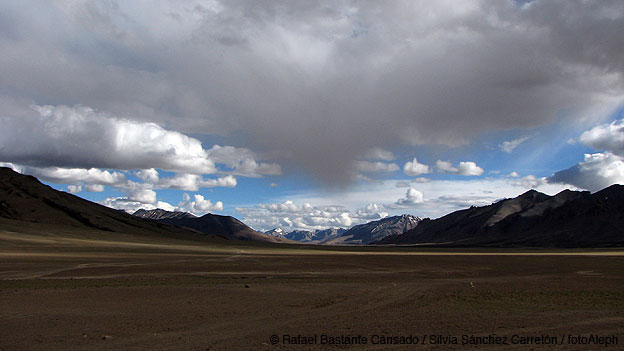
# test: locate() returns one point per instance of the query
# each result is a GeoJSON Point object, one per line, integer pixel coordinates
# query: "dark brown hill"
{"type": "Point", "coordinates": [24, 198]}
{"type": "Point", "coordinates": [226, 226]}
{"type": "Point", "coordinates": [159, 214]}
{"type": "Point", "coordinates": [568, 219]}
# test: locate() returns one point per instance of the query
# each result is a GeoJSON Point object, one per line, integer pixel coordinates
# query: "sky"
{"type": "Point", "coordinates": [309, 115]}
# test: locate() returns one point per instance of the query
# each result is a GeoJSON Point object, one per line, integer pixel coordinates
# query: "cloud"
{"type": "Point", "coordinates": [529, 181]}
{"type": "Point", "coordinates": [136, 195]}
{"type": "Point", "coordinates": [59, 175]}
{"type": "Point", "coordinates": [514, 174]}
{"type": "Point", "coordinates": [198, 205]}
{"type": "Point", "coordinates": [377, 153]}
{"type": "Point", "coordinates": [374, 167]}
{"type": "Point", "coordinates": [122, 203]}
{"type": "Point", "coordinates": [242, 161]}
{"type": "Point", "coordinates": [94, 188]}
{"type": "Point", "coordinates": [80, 137]}
{"type": "Point", "coordinates": [464, 168]}
{"type": "Point", "coordinates": [149, 175]}
{"type": "Point", "coordinates": [193, 182]}
{"type": "Point", "coordinates": [606, 137]}
{"type": "Point", "coordinates": [469, 169]}
{"type": "Point", "coordinates": [144, 196]}
{"type": "Point", "coordinates": [445, 167]}
{"type": "Point", "coordinates": [74, 188]}
{"type": "Point", "coordinates": [321, 82]}
{"type": "Point", "coordinates": [305, 216]}
{"type": "Point", "coordinates": [595, 172]}
{"type": "Point", "coordinates": [443, 197]}
{"type": "Point", "coordinates": [509, 146]}
{"type": "Point", "coordinates": [147, 199]}
{"type": "Point", "coordinates": [371, 212]}
{"type": "Point", "coordinates": [602, 169]}
{"type": "Point", "coordinates": [166, 206]}
{"type": "Point", "coordinates": [412, 196]}
{"type": "Point", "coordinates": [413, 168]}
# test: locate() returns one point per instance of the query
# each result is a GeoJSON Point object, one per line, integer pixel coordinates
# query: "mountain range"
{"type": "Point", "coordinates": [533, 219]}
{"type": "Point", "coordinates": [24, 198]}
{"type": "Point", "coordinates": [225, 226]}
{"type": "Point", "coordinates": [357, 235]}
{"type": "Point", "coordinates": [307, 236]}
{"type": "Point", "coordinates": [371, 232]}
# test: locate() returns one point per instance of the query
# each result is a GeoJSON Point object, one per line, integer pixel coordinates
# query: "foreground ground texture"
{"type": "Point", "coordinates": [64, 290]}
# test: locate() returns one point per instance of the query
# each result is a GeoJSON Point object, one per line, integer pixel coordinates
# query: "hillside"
{"type": "Point", "coordinates": [225, 226]}
{"type": "Point", "coordinates": [568, 219]}
{"type": "Point", "coordinates": [24, 198]}
{"type": "Point", "coordinates": [159, 214]}
{"type": "Point", "coordinates": [377, 230]}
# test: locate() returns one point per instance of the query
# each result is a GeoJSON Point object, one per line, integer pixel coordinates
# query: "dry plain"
{"type": "Point", "coordinates": [64, 289]}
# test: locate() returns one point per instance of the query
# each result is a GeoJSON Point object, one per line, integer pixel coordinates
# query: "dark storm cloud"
{"type": "Point", "coordinates": [321, 84]}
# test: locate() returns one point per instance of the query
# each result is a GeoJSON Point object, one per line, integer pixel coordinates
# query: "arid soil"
{"type": "Point", "coordinates": [60, 293]}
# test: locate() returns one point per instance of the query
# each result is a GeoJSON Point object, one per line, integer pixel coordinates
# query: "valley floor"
{"type": "Point", "coordinates": [76, 291]}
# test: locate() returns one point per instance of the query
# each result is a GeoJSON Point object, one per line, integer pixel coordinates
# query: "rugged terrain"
{"type": "Point", "coordinates": [359, 234]}
{"type": "Point", "coordinates": [24, 198]}
{"type": "Point", "coordinates": [377, 230]}
{"type": "Point", "coordinates": [212, 224]}
{"type": "Point", "coordinates": [160, 214]}
{"type": "Point", "coordinates": [320, 236]}
{"type": "Point", "coordinates": [533, 219]}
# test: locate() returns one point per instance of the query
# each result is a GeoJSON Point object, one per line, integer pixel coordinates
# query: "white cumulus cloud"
{"type": "Point", "coordinates": [464, 168]}
{"type": "Point", "coordinates": [595, 172]}
{"type": "Point", "coordinates": [305, 216]}
{"type": "Point", "coordinates": [412, 196]}
{"type": "Point", "coordinates": [198, 205]}
{"type": "Point", "coordinates": [94, 188]}
{"type": "Point", "coordinates": [608, 137]}
{"type": "Point", "coordinates": [601, 169]}
{"type": "Point", "coordinates": [74, 188]}
{"type": "Point", "coordinates": [413, 168]}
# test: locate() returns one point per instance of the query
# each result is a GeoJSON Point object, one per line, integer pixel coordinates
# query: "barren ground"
{"type": "Point", "coordinates": [64, 290]}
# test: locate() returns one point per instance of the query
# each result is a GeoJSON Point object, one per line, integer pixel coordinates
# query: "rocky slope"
{"type": "Point", "coordinates": [225, 226]}
{"type": "Point", "coordinates": [24, 198]}
{"type": "Point", "coordinates": [533, 219]}
{"type": "Point", "coordinates": [162, 214]}
{"type": "Point", "coordinates": [359, 234]}
{"type": "Point", "coordinates": [377, 230]}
